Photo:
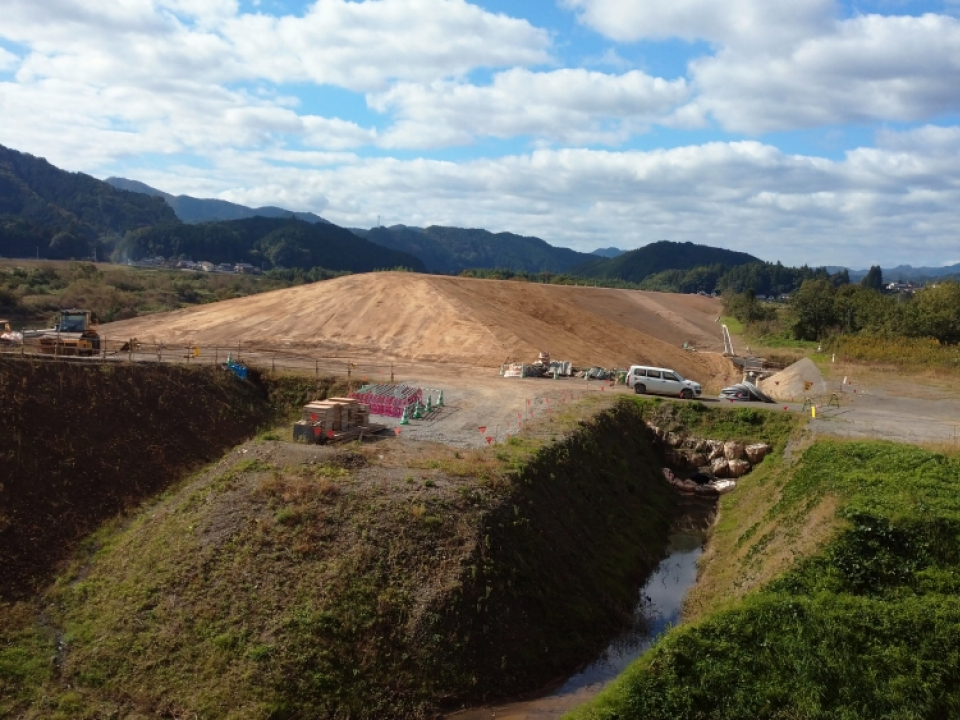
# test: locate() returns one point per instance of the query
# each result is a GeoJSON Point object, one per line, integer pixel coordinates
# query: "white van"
{"type": "Point", "coordinates": [661, 381]}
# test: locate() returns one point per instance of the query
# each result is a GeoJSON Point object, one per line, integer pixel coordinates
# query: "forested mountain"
{"type": "Point", "coordinates": [196, 210]}
{"type": "Point", "coordinates": [58, 214]}
{"type": "Point", "coordinates": [451, 250]}
{"type": "Point", "coordinates": [265, 242]}
{"type": "Point", "coordinates": [636, 265]}
{"type": "Point", "coordinates": [763, 278]}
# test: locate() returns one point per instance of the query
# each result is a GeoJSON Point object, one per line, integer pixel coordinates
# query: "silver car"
{"type": "Point", "coordinates": [661, 381]}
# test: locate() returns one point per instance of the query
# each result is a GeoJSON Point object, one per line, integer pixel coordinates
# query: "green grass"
{"type": "Point", "coordinates": [864, 627]}
{"type": "Point", "coordinates": [718, 421]}
{"type": "Point", "coordinates": [733, 325]}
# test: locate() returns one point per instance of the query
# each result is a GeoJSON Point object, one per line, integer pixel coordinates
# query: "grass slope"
{"type": "Point", "coordinates": [295, 582]}
{"type": "Point", "coordinates": [846, 564]}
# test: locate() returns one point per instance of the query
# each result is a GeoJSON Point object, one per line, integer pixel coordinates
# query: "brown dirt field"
{"type": "Point", "coordinates": [437, 319]}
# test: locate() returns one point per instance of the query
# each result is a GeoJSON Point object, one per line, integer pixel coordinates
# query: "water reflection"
{"type": "Point", "coordinates": [657, 610]}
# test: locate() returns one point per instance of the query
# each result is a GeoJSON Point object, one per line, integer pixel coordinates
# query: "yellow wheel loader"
{"type": "Point", "coordinates": [74, 334]}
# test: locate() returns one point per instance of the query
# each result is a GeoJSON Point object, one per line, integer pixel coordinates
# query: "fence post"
{"type": "Point", "coordinates": [159, 355]}
{"type": "Point", "coordinates": [316, 367]}
{"type": "Point", "coordinates": [273, 363]}
{"type": "Point", "coordinates": [216, 355]}
{"type": "Point", "coordinates": [391, 372]}
{"type": "Point", "coordinates": [130, 350]}
{"type": "Point", "coordinates": [103, 347]}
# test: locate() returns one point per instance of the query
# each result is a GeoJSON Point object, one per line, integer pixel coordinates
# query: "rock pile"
{"type": "Point", "coordinates": [730, 459]}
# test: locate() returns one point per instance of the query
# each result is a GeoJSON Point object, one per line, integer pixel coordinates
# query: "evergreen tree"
{"type": "Point", "coordinates": [873, 279]}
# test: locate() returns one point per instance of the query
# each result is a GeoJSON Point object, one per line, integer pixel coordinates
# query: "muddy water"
{"type": "Point", "coordinates": [658, 608]}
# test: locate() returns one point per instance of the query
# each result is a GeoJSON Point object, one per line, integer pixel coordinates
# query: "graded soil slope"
{"type": "Point", "coordinates": [430, 318]}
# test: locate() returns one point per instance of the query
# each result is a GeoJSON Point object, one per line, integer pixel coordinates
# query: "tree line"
{"type": "Point", "coordinates": [821, 308]}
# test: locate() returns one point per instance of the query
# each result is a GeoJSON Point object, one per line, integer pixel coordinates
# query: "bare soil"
{"type": "Point", "coordinates": [430, 318]}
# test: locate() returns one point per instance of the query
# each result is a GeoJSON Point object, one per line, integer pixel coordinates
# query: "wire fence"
{"type": "Point", "coordinates": [274, 359]}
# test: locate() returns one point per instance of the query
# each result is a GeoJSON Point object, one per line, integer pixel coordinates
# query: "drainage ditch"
{"type": "Point", "coordinates": [658, 608]}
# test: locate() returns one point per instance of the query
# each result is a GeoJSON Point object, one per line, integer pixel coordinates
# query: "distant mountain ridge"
{"type": "Point", "coordinates": [904, 272]}
{"type": "Point", "coordinates": [266, 243]}
{"type": "Point", "coordinates": [451, 250]}
{"type": "Point", "coordinates": [636, 265]}
{"type": "Point", "coordinates": [608, 252]}
{"type": "Point", "coordinates": [56, 214]}
{"type": "Point", "coordinates": [193, 210]}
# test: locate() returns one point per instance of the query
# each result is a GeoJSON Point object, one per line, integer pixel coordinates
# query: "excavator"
{"type": "Point", "coordinates": [74, 334]}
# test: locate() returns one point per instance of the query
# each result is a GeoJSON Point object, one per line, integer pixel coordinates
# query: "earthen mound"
{"type": "Point", "coordinates": [432, 318]}
{"type": "Point", "coordinates": [800, 380]}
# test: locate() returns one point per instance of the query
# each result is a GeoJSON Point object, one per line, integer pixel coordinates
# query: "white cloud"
{"type": "Point", "coordinates": [365, 45]}
{"type": "Point", "coordinates": [868, 68]}
{"type": "Point", "coordinates": [753, 22]}
{"type": "Point", "coordinates": [889, 204]}
{"type": "Point", "coordinates": [795, 63]}
{"type": "Point", "coordinates": [357, 45]}
{"type": "Point", "coordinates": [573, 106]}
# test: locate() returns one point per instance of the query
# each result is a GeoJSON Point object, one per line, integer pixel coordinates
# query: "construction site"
{"type": "Point", "coordinates": [342, 500]}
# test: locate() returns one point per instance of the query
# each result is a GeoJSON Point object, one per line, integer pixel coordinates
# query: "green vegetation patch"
{"type": "Point", "coordinates": [864, 627]}
{"type": "Point", "coordinates": [755, 423]}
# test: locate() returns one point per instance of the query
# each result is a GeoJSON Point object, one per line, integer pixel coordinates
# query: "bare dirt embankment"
{"type": "Point", "coordinates": [437, 319]}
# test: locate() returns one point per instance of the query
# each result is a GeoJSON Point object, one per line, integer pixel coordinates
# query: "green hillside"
{"type": "Point", "coordinates": [636, 265]}
{"type": "Point", "coordinates": [452, 250]}
{"type": "Point", "coordinates": [264, 242]}
{"type": "Point", "coordinates": [56, 214]}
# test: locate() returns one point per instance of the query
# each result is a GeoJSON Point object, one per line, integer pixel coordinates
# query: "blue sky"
{"type": "Point", "coordinates": [806, 131]}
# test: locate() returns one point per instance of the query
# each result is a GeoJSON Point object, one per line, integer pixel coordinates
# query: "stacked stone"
{"type": "Point", "coordinates": [730, 459]}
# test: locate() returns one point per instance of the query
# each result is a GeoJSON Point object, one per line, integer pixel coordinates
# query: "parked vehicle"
{"type": "Point", "coordinates": [661, 381]}
{"type": "Point", "coordinates": [744, 392]}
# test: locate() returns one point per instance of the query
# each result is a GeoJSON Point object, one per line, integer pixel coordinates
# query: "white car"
{"type": "Point", "coordinates": [661, 381]}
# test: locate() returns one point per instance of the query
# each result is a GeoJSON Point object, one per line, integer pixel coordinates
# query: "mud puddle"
{"type": "Point", "coordinates": [658, 609]}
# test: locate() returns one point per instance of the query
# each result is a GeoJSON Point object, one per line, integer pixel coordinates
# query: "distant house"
{"type": "Point", "coordinates": [246, 269]}
{"type": "Point", "coordinates": [207, 266]}
{"type": "Point", "coordinates": [761, 297]}
{"type": "Point", "coordinates": [225, 267]}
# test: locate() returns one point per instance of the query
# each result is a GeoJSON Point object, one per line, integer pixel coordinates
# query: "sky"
{"type": "Point", "coordinates": [819, 132]}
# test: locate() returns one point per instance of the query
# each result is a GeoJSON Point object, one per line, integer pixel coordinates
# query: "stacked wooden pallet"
{"type": "Point", "coordinates": [335, 419]}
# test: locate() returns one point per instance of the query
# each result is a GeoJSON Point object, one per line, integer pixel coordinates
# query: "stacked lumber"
{"type": "Point", "coordinates": [333, 419]}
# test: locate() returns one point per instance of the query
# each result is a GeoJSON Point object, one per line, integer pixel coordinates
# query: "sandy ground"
{"type": "Point", "coordinates": [453, 333]}
{"type": "Point", "coordinates": [431, 318]}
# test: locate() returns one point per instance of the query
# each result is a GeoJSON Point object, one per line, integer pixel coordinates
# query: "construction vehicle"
{"type": "Point", "coordinates": [74, 334]}
{"type": "Point", "coordinates": [8, 336]}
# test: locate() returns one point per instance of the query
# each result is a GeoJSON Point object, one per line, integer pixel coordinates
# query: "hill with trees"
{"type": "Point", "coordinates": [451, 250]}
{"type": "Point", "coordinates": [264, 243]}
{"type": "Point", "coordinates": [57, 214]}
{"type": "Point", "coordinates": [637, 265]}
{"type": "Point", "coordinates": [197, 210]}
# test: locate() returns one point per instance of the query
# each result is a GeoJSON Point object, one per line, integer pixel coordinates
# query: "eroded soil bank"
{"type": "Point", "coordinates": [81, 441]}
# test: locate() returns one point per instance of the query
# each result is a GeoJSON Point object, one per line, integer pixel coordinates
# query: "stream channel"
{"type": "Point", "coordinates": [658, 608]}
